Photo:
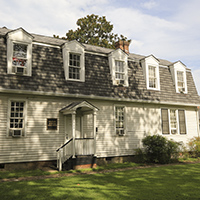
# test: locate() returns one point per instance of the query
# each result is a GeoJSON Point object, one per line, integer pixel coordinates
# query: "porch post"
{"type": "Point", "coordinates": [94, 130]}
{"type": "Point", "coordinates": [73, 133]}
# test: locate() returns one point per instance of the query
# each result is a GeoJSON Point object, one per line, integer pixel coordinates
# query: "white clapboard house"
{"type": "Point", "coordinates": [64, 100]}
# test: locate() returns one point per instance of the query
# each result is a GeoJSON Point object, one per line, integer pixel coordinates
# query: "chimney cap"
{"type": "Point", "coordinates": [123, 45]}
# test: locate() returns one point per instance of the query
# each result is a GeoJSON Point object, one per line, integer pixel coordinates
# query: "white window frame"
{"type": "Point", "coordinates": [73, 47]}
{"type": "Point", "coordinates": [19, 36]}
{"type": "Point", "coordinates": [124, 120]}
{"type": "Point", "coordinates": [153, 77]}
{"type": "Point", "coordinates": [184, 82]}
{"type": "Point", "coordinates": [74, 66]}
{"type": "Point", "coordinates": [24, 117]}
{"type": "Point", "coordinates": [177, 121]}
{"type": "Point", "coordinates": [147, 62]}
{"type": "Point", "coordinates": [121, 73]}
{"type": "Point", "coordinates": [174, 68]}
{"type": "Point", "coordinates": [113, 57]}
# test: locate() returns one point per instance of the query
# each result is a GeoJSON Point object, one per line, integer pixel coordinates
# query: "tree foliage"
{"type": "Point", "coordinates": [194, 146]}
{"type": "Point", "coordinates": [94, 30]}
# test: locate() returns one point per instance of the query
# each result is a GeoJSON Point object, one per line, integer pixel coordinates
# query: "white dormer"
{"type": "Point", "coordinates": [118, 62]}
{"type": "Point", "coordinates": [19, 52]}
{"type": "Point", "coordinates": [74, 62]}
{"type": "Point", "coordinates": [150, 66]}
{"type": "Point", "coordinates": [178, 71]}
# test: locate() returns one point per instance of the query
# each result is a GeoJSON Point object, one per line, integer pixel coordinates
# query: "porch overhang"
{"type": "Point", "coordinates": [84, 106]}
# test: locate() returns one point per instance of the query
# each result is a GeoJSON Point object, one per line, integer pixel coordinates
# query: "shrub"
{"type": "Point", "coordinates": [157, 149]}
{"type": "Point", "coordinates": [140, 156]}
{"type": "Point", "coordinates": [194, 146]}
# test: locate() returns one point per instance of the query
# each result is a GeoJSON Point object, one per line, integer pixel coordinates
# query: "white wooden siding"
{"type": "Point", "coordinates": [110, 144]}
{"type": "Point", "coordinates": [41, 144]}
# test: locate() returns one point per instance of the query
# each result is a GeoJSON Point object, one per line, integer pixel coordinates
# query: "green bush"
{"type": "Point", "coordinates": [194, 147]}
{"type": "Point", "coordinates": [157, 149]}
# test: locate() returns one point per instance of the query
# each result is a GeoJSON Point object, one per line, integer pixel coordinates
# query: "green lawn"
{"type": "Point", "coordinates": [165, 182]}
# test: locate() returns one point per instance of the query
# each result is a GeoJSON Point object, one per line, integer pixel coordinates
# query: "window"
{"type": "Point", "coordinates": [16, 118]}
{"type": "Point", "coordinates": [180, 81]}
{"type": "Point", "coordinates": [52, 124]}
{"type": "Point", "coordinates": [19, 59]}
{"type": "Point", "coordinates": [152, 77]}
{"type": "Point", "coordinates": [118, 63]}
{"type": "Point", "coordinates": [119, 70]}
{"type": "Point", "coordinates": [150, 67]}
{"type": "Point", "coordinates": [178, 72]}
{"type": "Point", "coordinates": [173, 121]}
{"type": "Point", "coordinates": [19, 52]}
{"type": "Point", "coordinates": [74, 66]}
{"type": "Point", "coordinates": [74, 61]}
{"type": "Point", "coordinates": [119, 120]}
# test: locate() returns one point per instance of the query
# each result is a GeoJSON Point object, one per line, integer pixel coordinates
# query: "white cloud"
{"type": "Point", "coordinates": [170, 31]}
{"type": "Point", "coordinates": [149, 4]}
{"type": "Point", "coordinates": [46, 17]}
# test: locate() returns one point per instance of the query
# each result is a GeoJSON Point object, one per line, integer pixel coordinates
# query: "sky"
{"type": "Point", "coordinates": [168, 29]}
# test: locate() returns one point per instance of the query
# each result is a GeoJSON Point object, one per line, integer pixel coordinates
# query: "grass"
{"type": "Point", "coordinates": [164, 182]}
{"type": "Point", "coordinates": [27, 173]}
{"type": "Point", "coordinates": [22, 173]}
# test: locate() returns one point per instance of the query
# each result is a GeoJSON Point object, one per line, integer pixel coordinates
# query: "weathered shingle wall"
{"type": "Point", "coordinates": [48, 76]}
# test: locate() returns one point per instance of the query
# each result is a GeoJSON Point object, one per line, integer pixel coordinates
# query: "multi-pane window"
{"type": "Point", "coordinates": [17, 115]}
{"type": "Point", "coordinates": [173, 121]}
{"type": "Point", "coordinates": [19, 58]}
{"type": "Point", "coordinates": [180, 81]}
{"type": "Point", "coordinates": [119, 120]}
{"type": "Point", "coordinates": [152, 77]}
{"type": "Point", "coordinates": [74, 66]}
{"type": "Point", "coordinates": [119, 70]}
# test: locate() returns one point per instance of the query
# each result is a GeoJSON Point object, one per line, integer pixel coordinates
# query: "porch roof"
{"type": "Point", "coordinates": [84, 105]}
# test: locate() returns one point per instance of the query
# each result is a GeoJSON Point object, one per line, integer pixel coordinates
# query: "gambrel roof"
{"type": "Point", "coordinates": [48, 75]}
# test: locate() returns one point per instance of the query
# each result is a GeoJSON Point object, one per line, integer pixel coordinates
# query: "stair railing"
{"type": "Point", "coordinates": [64, 153]}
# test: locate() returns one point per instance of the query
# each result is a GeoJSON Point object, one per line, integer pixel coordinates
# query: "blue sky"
{"type": "Point", "coordinates": [168, 29]}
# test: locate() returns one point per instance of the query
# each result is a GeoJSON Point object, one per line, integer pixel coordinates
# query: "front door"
{"type": "Point", "coordinates": [78, 127]}
{"type": "Point", "coordinates": [84, 138]}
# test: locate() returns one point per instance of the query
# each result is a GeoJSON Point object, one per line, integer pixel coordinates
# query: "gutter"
{"type": "Point", "coordinates": [81, 96]}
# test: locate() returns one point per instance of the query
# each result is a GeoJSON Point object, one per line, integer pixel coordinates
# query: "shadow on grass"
{"type": "Point", "coordinates": [165, 182]}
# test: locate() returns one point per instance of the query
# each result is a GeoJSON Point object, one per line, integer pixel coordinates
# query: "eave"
{"type": "Point", "coordinates": [94, 97]}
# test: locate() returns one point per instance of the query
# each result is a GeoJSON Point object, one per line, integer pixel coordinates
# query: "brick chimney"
{"type": "Point", "coordinates": [123, 45]}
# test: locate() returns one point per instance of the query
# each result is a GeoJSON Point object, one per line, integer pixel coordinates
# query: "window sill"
{"type": "Point", "coordinates": [18, 74]}
{"type": "Point", "coordinates": [77, 80]}
{"type": "Point", "coordinates": [155, 89]}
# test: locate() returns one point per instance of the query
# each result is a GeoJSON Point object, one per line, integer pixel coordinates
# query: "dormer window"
{"type": "Point", "coordinates": [150, 66]}
{"type": "Point", "coordinates": [180, 81]}
{"type": "Point", "coordinates": [19, 59]}
{"type": "Point", "coordinates": [152, 77]}
{"type": "Point", "coordinates": [119, 71]}
{"type": "Point", "coordinates": [74, 62]}
{"type": "Point", "coordinates": [178, 71]}
{"type": "Point", "coordinates": [19, 52]}
{"type": "Point", "coordinates": [119, 67]}
{"type": "Point", "coordinates": [74, 66]}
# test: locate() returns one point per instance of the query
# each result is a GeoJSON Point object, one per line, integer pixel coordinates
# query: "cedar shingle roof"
{"type": "Point", "coordinates": [48, 75]}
